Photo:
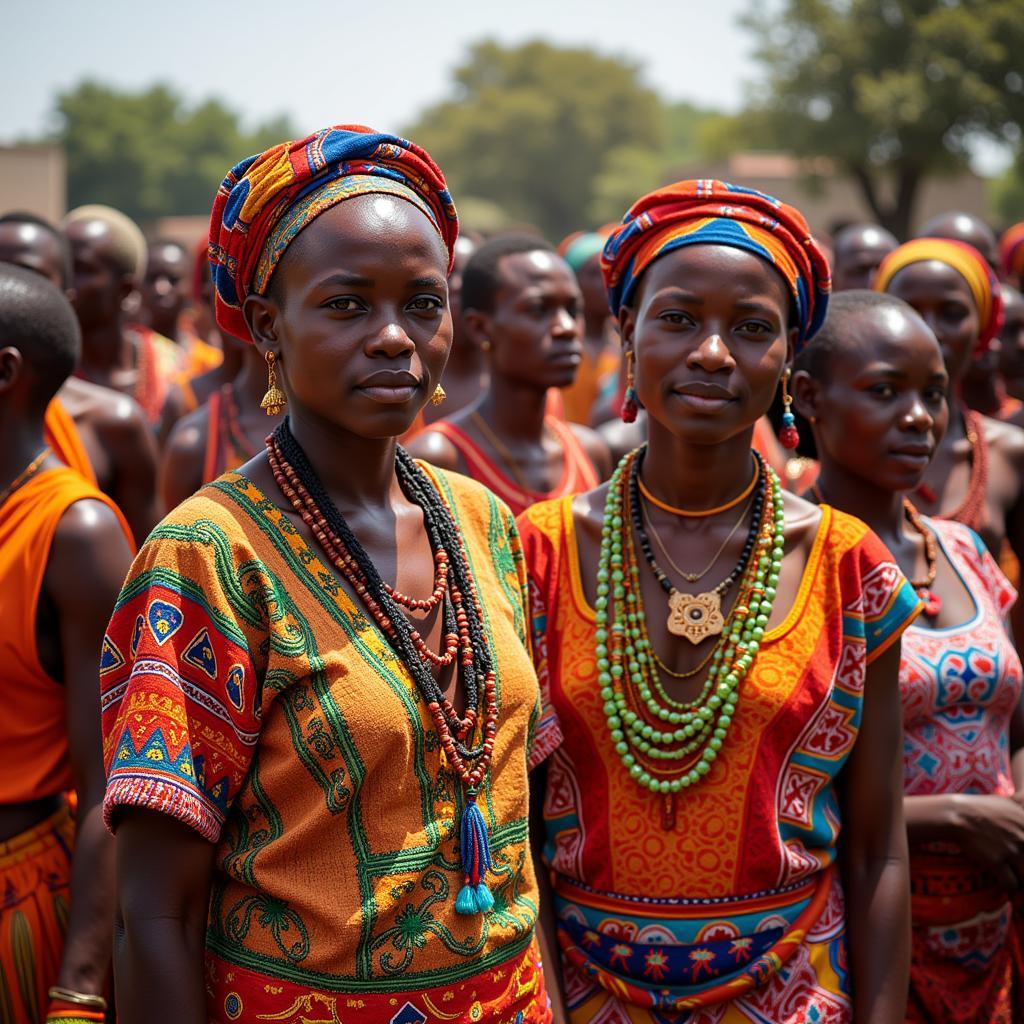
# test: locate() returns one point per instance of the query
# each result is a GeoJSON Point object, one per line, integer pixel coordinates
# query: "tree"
{"type": "Point", "coordinates": [146, 153]}
{"type": "Point", "coordinates": [532, 128]}
{"type": "Point", "coordinates": [892, 90]}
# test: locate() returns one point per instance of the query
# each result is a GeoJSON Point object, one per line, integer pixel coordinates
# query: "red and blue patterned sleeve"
{"type": "Point", "coordinates": [180, 693]}
{"type": "Point", "coordinates": [883, 601]}
{"type": "Point", "coordinates": [541, 576]}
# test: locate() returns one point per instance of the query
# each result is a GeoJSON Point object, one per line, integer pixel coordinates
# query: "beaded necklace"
{"type": "Point", "coordinates": [465, 643]}
{"type": "Point", "coordinates": [695, 616]}
{"type": "Point", "coordinates": [23, 477]}
{"type": "Point", "coordinates": [667, 746]}
{"type": "Point", "coordinates": [971, 511]}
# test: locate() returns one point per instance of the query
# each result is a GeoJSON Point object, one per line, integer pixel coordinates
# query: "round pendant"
{"type": "Point", "coordinates": [695, 616]}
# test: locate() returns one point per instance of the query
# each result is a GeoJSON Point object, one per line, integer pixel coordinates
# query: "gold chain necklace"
{"type": "Point", "coordinates": [506, 455]}
{"type": "Point", "coordinates": [693, 577]}
{"type": "Point", "coordinates": [23, 476]}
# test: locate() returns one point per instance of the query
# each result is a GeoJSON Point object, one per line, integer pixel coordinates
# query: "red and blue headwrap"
{"type": "Point", "coordinates": [267, 199]}
{"type": "Point", "coordinates": [708, 212]}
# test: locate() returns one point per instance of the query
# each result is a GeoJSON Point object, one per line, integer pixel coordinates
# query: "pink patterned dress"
{"type": "Point", "coordinates": [959, 686]}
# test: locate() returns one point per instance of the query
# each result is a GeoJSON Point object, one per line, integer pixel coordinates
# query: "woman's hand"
{"type": "Point", "coordinates": [990, 831]}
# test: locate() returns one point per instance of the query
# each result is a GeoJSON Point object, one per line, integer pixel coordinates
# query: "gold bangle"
{"type": "Point", "coordinates": [68, 995]}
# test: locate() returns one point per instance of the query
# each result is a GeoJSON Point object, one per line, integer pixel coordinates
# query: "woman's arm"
{"type": "Point", "coordinates": [163, 889]}
{"type": "Point", "coordinates": [873, 852]}
{"type": "Point", "coordinates": [547, 937]}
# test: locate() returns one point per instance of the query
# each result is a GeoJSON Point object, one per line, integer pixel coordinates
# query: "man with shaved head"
{"type": "Point", "coordinates": [109, 260]}
{"type": "Point", "coordinates": [64, 551]}
{"type": "Point", "coordinates": [166, 290]}
{"type": "Point", "coordinates": [87, 423]}
{"type": "Point", "coordinates": [857, 251]}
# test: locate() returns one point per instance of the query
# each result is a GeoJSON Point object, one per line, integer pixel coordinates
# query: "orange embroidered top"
{"type": "Point", "coordinates": [65, 442]}
{"type": "Point", "coordinates": [33, 735]}
{"type": "Point", "coordinates": [578, 473]}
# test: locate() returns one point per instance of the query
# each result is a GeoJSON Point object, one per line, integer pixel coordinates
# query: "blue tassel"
{"type": "Point", "coordinates": [484, 899]}
{"type": "Point", "coordinates": [475, 849]}
{"type": "Point", "coordinates": [465, 902]}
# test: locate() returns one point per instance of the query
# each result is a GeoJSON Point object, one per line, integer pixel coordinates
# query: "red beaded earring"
{"type": "Point", "coordinates": [789, 436]}
{"type": "Point", "coordinates": [629, 403]}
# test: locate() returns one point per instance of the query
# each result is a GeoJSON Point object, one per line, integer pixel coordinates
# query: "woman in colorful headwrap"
{"type": "Point", "coordinates": [977, 473]}
{"type": "Point", "coordinates": [874, 386]}
{"type": "Point", "coordinates": [312, 774]}
{"type": "Point", "coordinates": [712, 652]}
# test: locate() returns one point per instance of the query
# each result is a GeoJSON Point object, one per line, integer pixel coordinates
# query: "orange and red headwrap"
{"type": "Point", "coordinates": [968, 263]}
{"type": "Point", "coordinates": [267, 199]}
{"type": "Point", "coordinates": [708, 212]}
{"type": "Point", "coordinates": [1011, 252]}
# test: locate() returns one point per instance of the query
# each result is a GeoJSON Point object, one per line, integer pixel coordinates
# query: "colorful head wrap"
{"type": "Point", "coordinates": [708, 212]}
{"type": "Point", "coordinates": [267, 199]}
{"type": "Point", "coordinates": [967, 262]}
{"type": "Point", "coordinates": [1011, 252]}
{"type": "Point", "coordinates": [582, 248]}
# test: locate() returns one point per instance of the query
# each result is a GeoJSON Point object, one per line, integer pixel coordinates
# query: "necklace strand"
{"type": "Point", "coordinates": [694, 577]}
{"type": "Point", "coordinates": [301, 486]}
{"type": "Point", "coordinates": [704, 513]}
{"type": "Point", "coordinates": [23, 477]}
{"type": "Point", "coordinates": [664, 747]}
{"type": "Point", "coordinates": [506, 456]}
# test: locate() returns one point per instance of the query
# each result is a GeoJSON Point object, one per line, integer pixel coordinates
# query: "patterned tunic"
{"type": "Point", "coordinates": [959, 687]}
{"type": "Point", "coordinates": [736, 914]}
{"type": "Point", "coordinates": [247, 695]}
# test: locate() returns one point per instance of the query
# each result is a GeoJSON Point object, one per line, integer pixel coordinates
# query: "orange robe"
{"type": "Point", "coordinates": [35, 866]}
{"type": "Point", "coordinates": [592, 376]}
{"type": "Point", "coordinates": [64, 440]}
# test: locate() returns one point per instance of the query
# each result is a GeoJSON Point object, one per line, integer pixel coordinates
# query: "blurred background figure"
{"type": "Point", "coordinates": [109, 254]}
{"type": "Point", "coordinates": [963, 227]}
{"type": "Point", "coordinates": [522, 307]}
{"type": "Point", "coordinates": [166, 292]}
{"type": "Point", "coordinates": [857, 250]}
{"type": "Point", "coordinates": [597, 376]}
{"type": "Point", "coordinates": [101, 433]}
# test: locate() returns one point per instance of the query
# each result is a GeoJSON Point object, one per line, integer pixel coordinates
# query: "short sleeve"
{"type": "Point", "coordinates": [541, 574]}
{"type": "Point", "coordinates": [879, 601]}
{"type": "Point", "coordinates": [180, 700]}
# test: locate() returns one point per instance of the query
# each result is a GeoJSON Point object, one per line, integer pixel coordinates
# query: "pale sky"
{"type": "Point", "coordinates": [323, 62]}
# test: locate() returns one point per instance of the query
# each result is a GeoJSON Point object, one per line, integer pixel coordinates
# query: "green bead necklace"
{"type": "Point", "coordinates": [667, 745]}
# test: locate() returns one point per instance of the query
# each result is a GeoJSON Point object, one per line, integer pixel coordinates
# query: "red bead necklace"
{"type": "Point", "coordinates": [441, 711]}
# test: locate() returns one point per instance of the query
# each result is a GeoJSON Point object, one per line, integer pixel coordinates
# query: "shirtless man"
{"type": "Point", "coordinates": [64, 551]}
{"type": "Point", "coordinates": [522, 307]}
{"type": "Point", "coordinates": [113, 431]}
{"type": "Point", "coordinates": [109, 262]}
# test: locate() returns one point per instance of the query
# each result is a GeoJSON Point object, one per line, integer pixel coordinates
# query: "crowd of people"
{"type": "Point", "coordinates": [407, 627]}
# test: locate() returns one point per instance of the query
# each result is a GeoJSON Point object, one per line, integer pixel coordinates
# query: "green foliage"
{"type": "Point", "coordinates": [147, 153]}
{"type": "Point", "coordinates": [533, 128]}
{"type": "Point", "coordinates": [892, 90]}
{"type": "Point", "coordinates": [1007, 193]}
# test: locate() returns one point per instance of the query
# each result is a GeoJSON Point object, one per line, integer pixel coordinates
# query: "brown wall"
{"type": "Point", "coordinates": [32, 179]}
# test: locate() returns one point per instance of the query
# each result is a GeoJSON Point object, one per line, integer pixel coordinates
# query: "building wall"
{"type": "Point", "coordinates": [33, 179]}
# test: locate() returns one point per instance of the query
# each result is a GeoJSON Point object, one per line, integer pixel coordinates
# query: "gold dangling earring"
{"type": "Point", "coordinates": [275, 399]}
{"type": "Point", "coordinates": [438, 396]}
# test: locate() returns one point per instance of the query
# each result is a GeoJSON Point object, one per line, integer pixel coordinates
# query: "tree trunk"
{"type": "Point", "coordinates": [896, 217]}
